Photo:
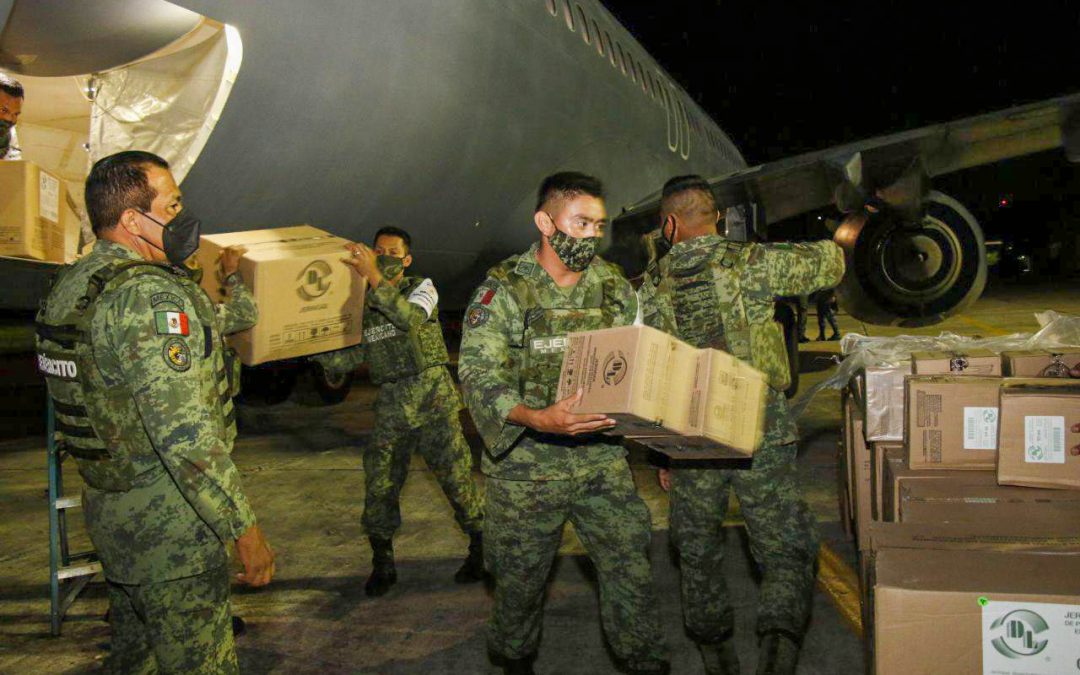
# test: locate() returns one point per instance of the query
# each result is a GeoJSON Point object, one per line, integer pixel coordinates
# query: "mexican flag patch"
{"type": "Point", "coordinates": [171, 323]}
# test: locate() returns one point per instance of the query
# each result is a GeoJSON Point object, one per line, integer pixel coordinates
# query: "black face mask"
{"type": "Point", "coordinates": [181, 238]}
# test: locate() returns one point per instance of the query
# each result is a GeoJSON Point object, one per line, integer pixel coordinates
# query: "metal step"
{"type": "Point", "coordinates": [72, 571]}
{"type": "Point", "coordinates": [69, 502]}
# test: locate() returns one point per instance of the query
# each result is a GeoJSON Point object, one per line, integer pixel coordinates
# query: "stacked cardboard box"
{"type": "Point", "coordinates": [974, 597]}
{"type": "Point", "coordinates": [684, 402]}
{"type": "Point", "coordinates": [36, 217]}
{"type": "Point", "coordinates": [957, 523]}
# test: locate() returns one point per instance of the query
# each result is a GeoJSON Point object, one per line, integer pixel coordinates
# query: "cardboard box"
{"type": "Point", "coordinates": [1037, 417]}
{"type": "Point", "coordinates": [681, 401]}
{"type": "Point", "coordinates": [897, 475]}
{"type": "Point", "coordinates": [309, 301]}
{"type": "Point", "coordinates": [1040, 362]}
{"type": "Point", "coordinates": [1037, 534]}
{"type": "Point", "coordinates": [976, 611]}
{"type": "Point", "coordinates": [883, 388]}
{"type": "Point", "coordinates": [968, 362]}
{"type": "Point", "coordinates": [843, 463]}
{"type": "Point", "coordinates": [881, 455]}
{"type": "Point", "coordinates": [36, 218]}
{"type": "Point", "coordinates": [951, 421]}
{"type": "Point", "coordinates": [861, 497]}
{"type": "Point", "coordinates": [624, 373]}
{"type": "Point", "coordinates": [944, 502]}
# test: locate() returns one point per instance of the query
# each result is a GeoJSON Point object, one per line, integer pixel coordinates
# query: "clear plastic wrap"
{"type": "Point", "coordinates": [861, 351]}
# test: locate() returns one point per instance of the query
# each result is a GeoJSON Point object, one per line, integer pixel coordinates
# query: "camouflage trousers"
{"type": "Point", "coordinates": [180, 626]}
{"type": "Point", "coordinates": [523, 528]}
{"type": "Point", "coordinates": [783, 541]}
{"type": "Point", "coordinates": [386, 464]}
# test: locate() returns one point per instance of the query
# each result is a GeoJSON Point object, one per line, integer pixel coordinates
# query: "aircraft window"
{"type": "Point", "coordinates": [631, 67]}
{"type": "Point", "coordinates": [622, 57]}
{"type": "Point", "coordinates": [641, 77]}
{"type": "Point", "coordinates": [552, 7]}
{"type": "Point", "coordinates": [685, 135]}
{"type": "Point", "coordinates": [599, 38]}
{"type": "Point", "coordinates": [672, 121]}
{"type": "Point", "coordinates": [584, 24]}
{"type": "Point", "coordinates": [610, 50]}
{"type": "Point", "coordinates": [568, 15]}
{"type": "Point", "coordinates": [645, 86]}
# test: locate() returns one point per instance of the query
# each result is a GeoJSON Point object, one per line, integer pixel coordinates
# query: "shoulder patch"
{"type": "Point", "coordinates": [177, 355]}
{"type": "Point", "coordinates": [485, 299]}
{"type": "Point", "coordinates": [477, 315]}
{"type": "Point", "coordinates": [166, 298]}
{"type": "Point", "coordinates": [171, 323]}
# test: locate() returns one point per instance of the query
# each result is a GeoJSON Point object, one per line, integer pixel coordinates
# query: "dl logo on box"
{"type": "Point", "coordinates": [1019, 633]}
{"type": "Point", "coordinates": [1033, 638]}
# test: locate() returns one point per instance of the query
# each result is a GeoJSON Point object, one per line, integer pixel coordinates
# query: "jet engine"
{"type": "Point", "coordinates": [911, 268]}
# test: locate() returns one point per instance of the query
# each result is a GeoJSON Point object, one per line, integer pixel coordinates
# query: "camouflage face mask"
{"type": "Point", "coordinates": [389, 266]}
{"type": "Point", "coordinates": [575, 253]}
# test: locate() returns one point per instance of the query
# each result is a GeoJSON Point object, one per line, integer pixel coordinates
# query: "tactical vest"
{"type": "Point", "coordinates": [97, 421]}
{"type": "Point", "coordinates": [393, 354]}
{"type": "Point", "coordinates": [543, 340]}
{"type": "Point", "coordinates": [711, 310]}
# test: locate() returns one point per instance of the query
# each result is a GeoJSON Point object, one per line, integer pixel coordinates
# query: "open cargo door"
{"type": "Point", "coordinates": [168, 103]}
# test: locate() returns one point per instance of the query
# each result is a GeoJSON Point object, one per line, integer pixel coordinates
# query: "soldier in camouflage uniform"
{"type": "Point", "coordinates": [134, 361]}
{"type": "Point", "coordinates": [11, 100]}
{"type": "Point", "coordinates": [712, 292]}
{"type": "Point", "coordinates": [417, 408]}
{"type": "Point", "coordinates": [544, 464]}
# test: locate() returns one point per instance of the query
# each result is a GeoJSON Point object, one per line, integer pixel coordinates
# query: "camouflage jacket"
{"type": "Point", "coordinates": [164, 495]}
{"type": "Point", "coordinates": [500, 342]}
{"type": "Point", "coordinates": [717, 293]}
{"type": "Point", "coordinates": [409, 316]}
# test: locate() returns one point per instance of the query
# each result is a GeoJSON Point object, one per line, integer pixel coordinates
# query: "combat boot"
{"type": "Point", "coordinates": [648, 668]}
{"type": "Point", "coordinates": [472, 570]}
{"type": "Point", "coordinates": [383, 573]}
{"type": "Point", "coordinates": [778, 652]}
{"type": "Point", "coordinates": [522, 666]}
{"type": "Point", "coordinates": [720, 657]}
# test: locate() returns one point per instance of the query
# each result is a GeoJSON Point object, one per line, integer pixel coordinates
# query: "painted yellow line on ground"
{"type": "Point", "coordinates": [983, 326]}
{"type": "Point", "coordinates": [841, 584]}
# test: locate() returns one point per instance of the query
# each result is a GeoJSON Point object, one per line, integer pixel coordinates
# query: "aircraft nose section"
{"type": "Point", "coordinates": [49, 38]}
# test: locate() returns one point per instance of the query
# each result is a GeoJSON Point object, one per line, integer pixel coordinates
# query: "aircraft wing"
{"type": "Point", "coordinates": [795, 185]}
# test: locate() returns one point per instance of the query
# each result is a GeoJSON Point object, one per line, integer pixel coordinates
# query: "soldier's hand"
{"type": "Point", "coordinates": [664, 476]}
{"type": "Point", "coordinates": [256, 556]}
{"type": "Point", "coordinates": [363, 260]}
{"type": "Point", "coordinates": [230, 259]}
{"type": "Point", "coordinates": [557, 418]}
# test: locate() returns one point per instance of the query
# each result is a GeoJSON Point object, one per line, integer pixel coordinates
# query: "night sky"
{"type": "Point", "coordinates": [789, 77]}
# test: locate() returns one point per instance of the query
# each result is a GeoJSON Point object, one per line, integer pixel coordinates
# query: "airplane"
{"type": "Point", "coordinates": [443, 116]}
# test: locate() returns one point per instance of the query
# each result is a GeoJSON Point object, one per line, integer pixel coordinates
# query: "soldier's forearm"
{"type": "Point", "coordinates": [522, 415]}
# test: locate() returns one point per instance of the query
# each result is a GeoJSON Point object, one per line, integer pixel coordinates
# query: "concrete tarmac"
{"type": "Point", "coordinates": [302, 471]}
